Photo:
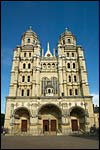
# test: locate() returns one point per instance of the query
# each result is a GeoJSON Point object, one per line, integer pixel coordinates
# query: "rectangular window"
{"type": "Point", "coordinates": [67, 54]}
{"type": "Point", "coordinates": [68, 65]}
{"type": "Point", "coordinates": [28, 79]}
{"type": "Point", "coordinates": [74, 65]}
{"type": "Point", "coordinates": [24, 54]}
{"type": "Point", "coordinates": [29, 54]}
{"type": "Point", "coordinates": [23, 78]}
{"type": "Point", "coordinates": [28, 92]}
{"type": "Point", "coordinates": [28, 40]}
{"type": "Point", "coordinates": [22, 92]}
{"type": "Point", "coordinates": [69, 78]}
{"type": "Point", "coordinates": [70, 91]}
{"type": "Point", "coordinates": [75, 79]}
{"type": "Point", "coordinates": [63, 41]}
{"type": "Point", "coordinates": [72, 54]}
{"type": "Point", "coordinates": [76, 92]}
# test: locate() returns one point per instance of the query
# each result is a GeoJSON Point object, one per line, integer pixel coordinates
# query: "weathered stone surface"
{"type": "Point", "coordinates": [48, 93]}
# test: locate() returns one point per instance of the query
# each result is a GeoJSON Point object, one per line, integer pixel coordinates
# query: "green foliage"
{"type": "Point", "coordinates": [2, 119]}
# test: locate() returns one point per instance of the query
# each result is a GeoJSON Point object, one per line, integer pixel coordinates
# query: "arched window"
{"type": "Point", "coordinates": [70, 91]}
{"type": "Point", "coordinates": [54, 82]}
{"type": "Point", "coordinates": [28, 40]}
{"type": "Point", "coordinates": [24, 54]}
{"type": "Point", "coordinates": [68, 65]}
{"type": "Point", "coordinates": [75, 79]}
{"type": "Point", "coordinates": [49, 65]}
{"type": "Point", "coordinates": [53, 65]}
{"type": "Point", "coordinates": [73, 65]}
{"type": "Point", "coordinates": [29, 66]}
{"type": "Point", "coordinates": [23, 78]}
{"type": "Point", "coordinates": [44, 85]}
{"type": "Point", "coordinates": [69, 78]}
{"type": "Point", "coordinates": [44, 65]}
{"type": "Point", "coordinates": [28, 79]}
{"type": "Point", "coordinates": [24, 65]}
{"type": "Point", "coordinates": [28, 92]}
{"type": "Point", "coordinates": [49, 91]}
{"type": "Point", "coordinates": [76, 92]}
{"type": "Point", "coordinates": [22, 92]}
{"type": "Point", "coordinates": [68, 40]}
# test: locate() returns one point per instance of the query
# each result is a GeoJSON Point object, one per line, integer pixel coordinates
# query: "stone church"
{"type": "Point", "coordinates": [49, 94]}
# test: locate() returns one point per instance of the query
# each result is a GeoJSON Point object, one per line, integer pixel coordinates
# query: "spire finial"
{"type": "Point", "coordinates": [66, 29]}
{"type": "Point", "coordinates": [30, 27]}
{"type": "Point", "coordinates": [48, 46]}
{"type": "Point", "coordinates": [48, 53]}
{"type": "Point", "coordinates": [53, 51]}
{"type": "Point", "coordinates": [42, 52]}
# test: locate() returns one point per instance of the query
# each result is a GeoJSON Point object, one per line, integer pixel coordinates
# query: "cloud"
{"type": "Point", "coordinates": [95, 98]}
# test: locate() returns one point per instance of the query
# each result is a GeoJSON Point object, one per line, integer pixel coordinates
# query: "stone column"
{"type": "Point", "coordinates": [60, 76]}
{"type": "Point", "coordinates": [34, 120]}
{"type": "Point", "coordinates": [83, 72]}
{"type": "Point", "coordinates": [64, 78]}
{"type": "Point", "coordinates": [38, 76]}
{"type": "Point", "coordinates": [86, 121]}
{"type": "Point", "coordinates": [12, 120]}
{"type": "Point", "coordinates": [34, 77]}
{"type": "Point", "coordinates": [65, 120]}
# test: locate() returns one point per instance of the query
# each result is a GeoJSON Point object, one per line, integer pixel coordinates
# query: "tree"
{"type": "Point", "coordinates": [2, 119]}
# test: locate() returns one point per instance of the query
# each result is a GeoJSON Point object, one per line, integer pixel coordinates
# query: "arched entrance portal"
{"type": "Point", "coordinates": [50, 119]}
{"type": "Point", "coordinates": [22, 120]}
{"type": "Point", "coordinates": [77, 115]}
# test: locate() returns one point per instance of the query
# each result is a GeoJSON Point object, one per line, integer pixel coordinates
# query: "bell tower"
{"type": "Point", "coordinates": [26, 64]}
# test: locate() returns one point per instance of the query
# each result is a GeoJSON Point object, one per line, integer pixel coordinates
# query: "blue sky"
{"type": "Point", "coordinates": [49, 19]}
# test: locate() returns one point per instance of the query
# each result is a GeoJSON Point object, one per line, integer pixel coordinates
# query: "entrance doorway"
{"type": "Point", "coordinates": [74, 125]}
{"type": "Point", "coordinates": [53, 125]}
{"type": "Point", "coordinates": [50, 122]}
{"type": "Point", "coordinates": [24, 126]}
{"type": "Point", "coordinates": [49, 128]}
{"type": "Point", "coordinates": [78, 118]}
{"type": "Point", "coordinates": [46, 125]}
{"type": "Point", "coordinates": [22, 120]}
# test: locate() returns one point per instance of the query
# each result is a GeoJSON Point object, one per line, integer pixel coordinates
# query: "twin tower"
{"type": "Point", "coordinates": [48, 94]}
{"type": "Point", "coordinates": [68, 68]}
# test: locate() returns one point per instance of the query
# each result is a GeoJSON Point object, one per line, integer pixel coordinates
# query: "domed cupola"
{"type": "Point", "coordinates": [67, 39]}
{"type": "Point", "coordinates": [29, 38]}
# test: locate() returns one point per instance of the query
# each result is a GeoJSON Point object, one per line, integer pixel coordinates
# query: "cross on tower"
{"type": "Point", "coordinates": [30, 27]}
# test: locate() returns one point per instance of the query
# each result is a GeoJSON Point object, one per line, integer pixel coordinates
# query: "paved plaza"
{"type": "Point", "coordinates": [49, 142]}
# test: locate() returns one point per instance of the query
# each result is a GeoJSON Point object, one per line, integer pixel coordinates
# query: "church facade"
{"type": "Point", "coordinates": [49, 94]}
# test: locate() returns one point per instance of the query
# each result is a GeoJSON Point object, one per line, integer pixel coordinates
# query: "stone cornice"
{"type": "Point", "coordinates": [47, 97]}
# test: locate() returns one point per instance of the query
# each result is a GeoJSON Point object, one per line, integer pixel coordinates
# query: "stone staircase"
{"type": "Point", "coordinates": [18, 132]}
{"type": "Point", "coordinates": [79, 132]}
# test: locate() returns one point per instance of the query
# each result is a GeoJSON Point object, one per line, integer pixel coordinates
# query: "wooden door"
{"type": "Point", "coordinates": [24, 126]}
{"type": "Point", "coordinates": [46, 125]}
{"type": "Point", "coordinates": [74, 125]}
{"type": "Point", "coordinates": [53, 125]}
